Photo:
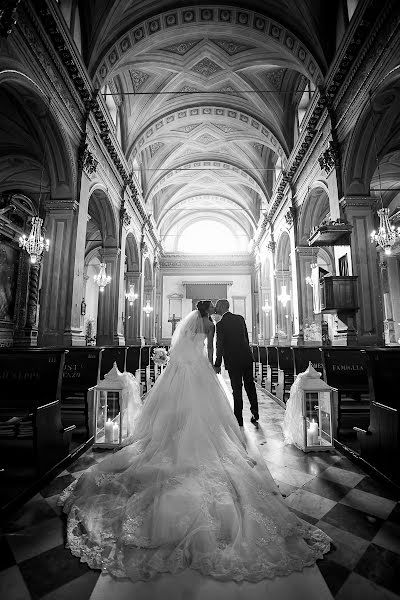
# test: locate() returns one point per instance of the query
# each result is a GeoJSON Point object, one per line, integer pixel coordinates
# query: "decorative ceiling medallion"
{"type": "Point", "coordinates": [138, 79]}
{"type": "Point", "coordinates": [232, 47]}
{"type": "Point", "coordinates": [155, 148]}
{"type": "Point", "coordinates": [181, 48]}
{"type": "Point", "coordinates": [188, 128]}
{"type": "Point", "coordinates": [206, 67]}
{"type": "Point", "coordinates": [275, 77]}
{"type": "Point", "coordinates": [206, 139]}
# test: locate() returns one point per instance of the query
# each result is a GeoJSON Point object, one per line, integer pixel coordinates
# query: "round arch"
{"type": "Point", "coordinates": [313, 210]}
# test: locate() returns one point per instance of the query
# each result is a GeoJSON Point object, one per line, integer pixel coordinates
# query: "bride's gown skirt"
{"type": "Point", "coordinates": [185, 493]}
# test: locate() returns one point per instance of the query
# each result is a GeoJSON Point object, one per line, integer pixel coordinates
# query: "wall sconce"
{"type": "Point", "coordinates": [148, 309]}
{"type": "Point", "coordinates": [83, 307]}
{"type": "Point", "coordinates": [131, 296]}
{"type": "Point", "coordinates": [283, 297]}
{"type": "Point", "coordinates": [266, 308]}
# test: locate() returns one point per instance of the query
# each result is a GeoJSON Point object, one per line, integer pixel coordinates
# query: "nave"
{"type": "Point", "coordinates": [361, 516]}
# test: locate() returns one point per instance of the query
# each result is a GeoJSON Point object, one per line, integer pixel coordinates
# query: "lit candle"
{"type": "Point", "coordinates": [312, 434]}
{"type": "Point", "coordinates": [109, 432]}
{"type": "Point", "coordinates": [116, 432]}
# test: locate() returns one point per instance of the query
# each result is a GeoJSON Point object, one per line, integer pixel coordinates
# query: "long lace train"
{"type": "Point", "coordinates": [185, 493]}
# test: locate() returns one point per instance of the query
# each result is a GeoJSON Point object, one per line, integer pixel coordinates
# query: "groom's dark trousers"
{"type": "Point", "coordinates": [233, 347]}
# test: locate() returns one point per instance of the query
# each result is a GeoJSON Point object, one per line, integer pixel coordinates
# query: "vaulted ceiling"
{"type": "Point", "coordinates": [207, 97]}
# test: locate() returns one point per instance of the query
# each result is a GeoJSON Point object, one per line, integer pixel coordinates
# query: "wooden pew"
{"type": "Point", "coordinates": [380, 441]}
{"type": "Point", "coordinates": [81, 371]}
{"type": "Point", "coordinates": [345, 368]}
{"type": "Point", "coordinates": [145, 369]}
{"type": "Point", "coordinates": [256, 359]}
{"type": "Point", "coordinates": [109, 355]}
{"type": "Point", "coordinates": [264, 363]}
{"type": "Point", "coordinates": [304, 355]}
{"type": "Point", "coordinates": [285, 373]}
{"type": "Point", "coordinates": [272, 369]}
{"type": "Point", "coordinates": [30, 383]}
{"type": "Point", "coordinates": [133, 359]}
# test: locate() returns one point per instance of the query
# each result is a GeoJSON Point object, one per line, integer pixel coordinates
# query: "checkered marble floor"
{"type": "Point", "coordinates": [360, 515]}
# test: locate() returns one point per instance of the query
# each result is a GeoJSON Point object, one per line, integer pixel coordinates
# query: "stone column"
{"type": "Point", "coordinates": [361, 214]}
{"type": "Point", "coordinates": [296, 289]}
{"type": "Point", "coordinates": [389, 327]}
{"type": "Point", "coordinates": [305, 256]}
{"type": "Point", "coordinates": [274, 301]}
{"type": "Point", "coordinates": [255, 295]}
{"type": "Point", "coordinates": [107, 319]}
{"type": "Point", "coordinates": [132, 324]}
{"type": "Point", "coordinates": [62, 285]}
{"type": "Point", "coordinates": [21, 303]}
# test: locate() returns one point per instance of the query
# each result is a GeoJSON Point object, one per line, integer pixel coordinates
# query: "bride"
{"type": "Point", "coordinates": [183, 492]}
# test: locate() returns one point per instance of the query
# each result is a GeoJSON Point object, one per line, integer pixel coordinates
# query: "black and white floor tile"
{"type": "Point", "coordinates": [360, 515]}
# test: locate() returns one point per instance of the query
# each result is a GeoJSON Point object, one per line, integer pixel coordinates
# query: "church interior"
{"type": "Point", "coordinates": [157, 153]}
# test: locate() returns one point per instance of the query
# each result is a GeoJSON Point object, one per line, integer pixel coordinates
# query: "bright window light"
{"type": "Point", "coordinates": [209, 237]}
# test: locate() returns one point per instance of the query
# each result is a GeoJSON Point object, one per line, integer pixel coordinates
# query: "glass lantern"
{"type": "Point", "coordinates": [319, 402]}
{"type": "Point", "coordinates": [108, 418]}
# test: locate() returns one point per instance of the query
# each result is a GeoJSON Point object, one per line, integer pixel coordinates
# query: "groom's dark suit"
{"type": "Point", "coordinates": [233, 347]}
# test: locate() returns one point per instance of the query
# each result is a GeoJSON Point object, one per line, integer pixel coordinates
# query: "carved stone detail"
{"type": "Point", "coordinates": [86, 160]}
{"type": "Point", "coordinates": [8, 18]}
{"type": "Point", "coordinates": [232, 47]}
{"type": "Point", "coordinates": [33, 295]}
{"type": "Point", "coordinates": [330, 158]}
{"type": "Point", "coordinates": [138, 79]}
{"type": "Point", "coordinates": [206, 67]}
{"type": "Point", "coordinates": [181, 48]}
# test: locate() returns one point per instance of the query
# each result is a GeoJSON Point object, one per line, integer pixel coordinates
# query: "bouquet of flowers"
{"type": "Point", "coordinates": [160, 356]}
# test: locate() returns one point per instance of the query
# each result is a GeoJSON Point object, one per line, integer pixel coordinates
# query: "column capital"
{"type": "Point", "coordinates": [306, 251]}
{"type": "Point", "coordinates": [110, 253]}
{"type": "Point", "coordinates": [357, 201]}
{"type": "Point", "coordinates": [62, 205]}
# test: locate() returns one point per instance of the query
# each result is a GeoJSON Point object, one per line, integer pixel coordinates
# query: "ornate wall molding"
{"type": "Point", "coordinates": [330, 158]}
{"type": "Point", "coordinates": [8, 17]}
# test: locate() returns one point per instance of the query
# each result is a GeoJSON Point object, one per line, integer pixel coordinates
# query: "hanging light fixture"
{"type": "Point", "coordinates": [387, 234]}
{"type": "Point", "coordinates": [148, 309]}
{"type": "Point", "coordinates": [35, 243]}
{"type": "Point", "coordinates": [131, 296]}
{"type": "Point", "coordinates": [102, 279]}
{"type": "Point", "coordinates": [283, 297]}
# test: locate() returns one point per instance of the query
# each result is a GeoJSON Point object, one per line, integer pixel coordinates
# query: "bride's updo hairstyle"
{"type": "Point", "coordinates": [203, 306]}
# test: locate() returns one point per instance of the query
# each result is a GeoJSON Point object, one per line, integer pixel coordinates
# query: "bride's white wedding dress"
{"type": "Point", "coordinates": [184, 492]}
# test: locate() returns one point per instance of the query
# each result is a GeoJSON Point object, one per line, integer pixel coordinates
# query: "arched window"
{"type": "Point", "coordinates": [210, 237]}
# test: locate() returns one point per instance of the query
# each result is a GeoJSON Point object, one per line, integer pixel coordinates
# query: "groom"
{"type": "Point", "coordinates": [233, 346]}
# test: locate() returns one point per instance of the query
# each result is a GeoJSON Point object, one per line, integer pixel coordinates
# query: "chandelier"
{"type": "Point", "coordinates": [131, 296]}
{"type": "Point", "coordinates": [148, 309]}
{"type": "Point", "coordinates": [283, 297]}
{"type": "Point", "coordinates": [101, 278]}
{"type": "Point", "coordinates": [35, 243]}
{"type": "Point", "coordinates": [386, 235]}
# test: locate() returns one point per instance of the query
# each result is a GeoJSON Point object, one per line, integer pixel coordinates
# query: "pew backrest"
{"type": "Point", "coordinates": [30, 378]}
{"type": "Point", "coordinates": [273, 356]}
{"type": "Point", "coordinates": [109, 355]}
{"type": "Point", "coordinates": [304, 355]}
{"type": "Point", "coordinates": [133, 359]}
{"type": "Point", "coordinates": [81, 368]}
{"type": "Point", "coordinates": [285, 358]}
{"type": "Point", "coordinates": [345, 368]}
{"type": "Point", "coordinates": [384, 375]}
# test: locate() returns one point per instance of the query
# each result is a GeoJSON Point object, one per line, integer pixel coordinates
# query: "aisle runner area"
{"type": "Point", "coordinates": [360, 515]}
